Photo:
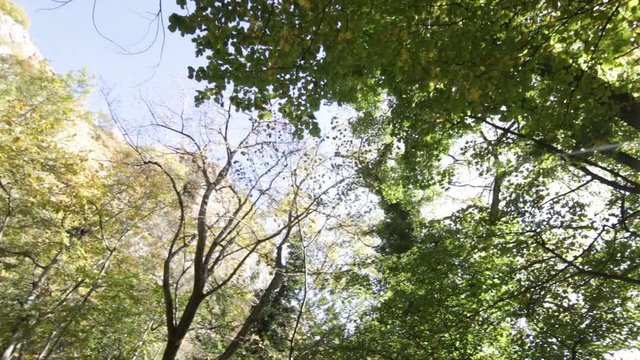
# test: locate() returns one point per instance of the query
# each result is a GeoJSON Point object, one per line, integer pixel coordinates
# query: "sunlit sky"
{"type": "Point", "coordinates": [67, 37]}
{"type": "Point", "coordinates": [75, 37]}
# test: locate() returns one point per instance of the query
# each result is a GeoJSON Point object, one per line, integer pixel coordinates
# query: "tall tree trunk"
{"type": "Point", "coordinates": [629, 108]}
{"type": "Point", "coordinates": [494, 210]}
{"type": "Point", "coordinates": [266, 298]}
{"type": "Point", "coordinates": [172, 347]}
{"type": "Point", "coordinates": [176, 333]}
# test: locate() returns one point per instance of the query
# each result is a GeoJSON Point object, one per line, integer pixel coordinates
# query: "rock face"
{"type": "Point", "coordinates": [15, 40]}
{"type": "Point", "coordinates": [80, 136]}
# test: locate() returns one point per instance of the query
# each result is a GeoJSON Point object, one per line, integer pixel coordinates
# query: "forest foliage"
{"type": "Point", "coordinates": [248, 232]}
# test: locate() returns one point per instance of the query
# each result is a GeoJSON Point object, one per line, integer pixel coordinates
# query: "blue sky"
{"type": "Point", "coordinates": [67, 38]}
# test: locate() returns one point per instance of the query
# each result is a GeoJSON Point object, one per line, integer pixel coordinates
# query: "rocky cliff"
{"type": "Point", "coordinates": [14, 35]}
{"type": "Point", "coordinates": [81, 135]}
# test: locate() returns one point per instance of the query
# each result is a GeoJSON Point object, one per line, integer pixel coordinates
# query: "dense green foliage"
{"type": "Point", "coordinates": [537, 100]}
{"type": "Point", "coordinates": [71, 230]}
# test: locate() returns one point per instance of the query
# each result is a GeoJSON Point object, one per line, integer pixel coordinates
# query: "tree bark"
{"type": "Point", "coordinates": [628, 160]}
{"type": "Point", "coordinates": [171, 350]}
{"type": "Point", "coordinates": [626, 105]}
{"type": "Point", "coordinates": [265, 300]}
{"type": "Point", "coordinates": [629, 108]}
{"type": "Point", "coordinates": [494, 210]}
{"type": "Point", "coordinates": [176, 333]}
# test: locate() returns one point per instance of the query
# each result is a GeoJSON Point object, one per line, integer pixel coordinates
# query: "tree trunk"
{"type": "Point", "coordinates": [629, 108]}
{"type": "Point", "coordinates": [624, 104]}
{"type": "Point", "coordinates": [176, 333]}
{"type": "Point", "coordinates": [494, 210]}
{"type": "Point", "coordinates": [171, 350]}
{"type": "Point", "coordinates": [8, 352]}
{"type": "Point", "coordinates": [242, 335]}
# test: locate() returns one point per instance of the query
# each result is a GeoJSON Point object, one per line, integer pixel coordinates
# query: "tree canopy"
{"type": "Point", "coordinates": [481, 200]}
{"type": "Point", "coordinates": [538, 99]}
